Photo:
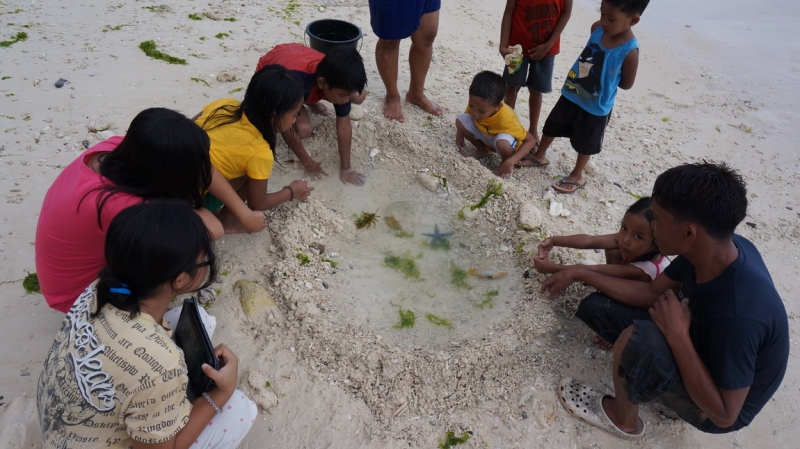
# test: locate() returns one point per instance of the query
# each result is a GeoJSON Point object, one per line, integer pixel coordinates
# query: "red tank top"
{"type": "Point", "coordinates": [532, 23]}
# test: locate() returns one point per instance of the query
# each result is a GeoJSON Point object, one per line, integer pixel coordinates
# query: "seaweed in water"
{"type": "Point", "coordinates": [494, 188]}
{"type": "Point", "coordinates": [404, 234]}
{"type": "Point", "coordinates": [393, 222]}
{"type": "Point", "coordinates": [405, 265]}
{"type": "Point", "coordinates": [149, 48]}
{"type": "Point", "coordinates": [458, 277]}
{"type": "Point", "coordinates": [450, 440]}
{"type": "Point", "coordinates": [366, 219]}
{"type": "Point", "coordinates": [439, 321]}
{"type": "Point", "coordinates": [488, 301]}
{"type": "Point", "coordinates": [31, 283]}
{"type": "Point", "coordinates": [407, 318]}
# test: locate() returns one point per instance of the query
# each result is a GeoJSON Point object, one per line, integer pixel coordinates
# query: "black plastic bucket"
{"type": "Point", "coordinates": [329, 33]}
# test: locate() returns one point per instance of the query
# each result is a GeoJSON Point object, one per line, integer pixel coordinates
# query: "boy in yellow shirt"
{"type": "Point", "coordinates": [491, 126]}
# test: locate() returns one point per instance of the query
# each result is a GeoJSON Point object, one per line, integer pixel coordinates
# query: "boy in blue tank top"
{"type": "Point", "coordinates": [609, 60]}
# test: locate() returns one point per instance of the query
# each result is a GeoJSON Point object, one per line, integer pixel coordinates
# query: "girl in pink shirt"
{"type": "Point", "coordinates": [163, 155]}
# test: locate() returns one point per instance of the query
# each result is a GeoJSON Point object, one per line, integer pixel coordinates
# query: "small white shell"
{"type": "Point", "coordinates": [555, 208]}
{"type": "Point", "coordinates": [374, 153]}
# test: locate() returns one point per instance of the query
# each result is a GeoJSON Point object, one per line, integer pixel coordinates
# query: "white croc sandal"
{"type": "Point", "coordinates": [586, 404]}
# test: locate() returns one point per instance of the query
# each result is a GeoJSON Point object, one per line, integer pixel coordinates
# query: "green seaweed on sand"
{"type": "Point", "coordinates": [439, 321]}
{"type": "Point", "coordinates": [443, 179]}
{"type": "Point", "coordinates": [450, 440]}
{"type": "Point", "coordinates": [333, 263]}
{"type": "Point", "coordinates": [366, 219]}
{"type": "Point", "coordinates": [238, 89]}
{"type": "Point", "coordinates": [31, 283]}
{"type": "Point", "coordinates": [200, 80]}
{"type": "Point", "coordinates": [407, 318]}
{"type": "Point", "coordinates": [304, 259]}
{"type": "Point", "coordinates": [458, 277]}
{"type": "Point", "coordinates": [404, 234]}
{"type": "Point", "coordinates": [404, 264]}
{"type": "Point", "coordinates": [149, 48]}
{"type": "Point", "coordinates": [493, 188]}
{"type": "Point", "coordinates": [487, 302]}
{"type": "Point", "coordinates": [222, 35]}
{"type": "Point", "coordinates": [194, 16]}
{"type": "Point", "coordinates": [19, 37]}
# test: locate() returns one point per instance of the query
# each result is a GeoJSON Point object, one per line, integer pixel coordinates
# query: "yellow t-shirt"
{"type": "Point", "coordinates": [111, 378]}
{"type": "Point", "coordinates": [503, 121]}
{"type": "Point", "coordinates": [237, 149]}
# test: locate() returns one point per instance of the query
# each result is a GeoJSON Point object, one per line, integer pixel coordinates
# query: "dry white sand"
{"type": "Point", "coordinates": [340, 375]}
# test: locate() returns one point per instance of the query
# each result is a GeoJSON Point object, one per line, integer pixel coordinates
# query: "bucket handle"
{"type": "Point", "coordinates": [360, 44]}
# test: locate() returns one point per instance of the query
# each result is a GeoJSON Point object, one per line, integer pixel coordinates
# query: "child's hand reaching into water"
{"type": "Point", "coordinates": [351, 176]}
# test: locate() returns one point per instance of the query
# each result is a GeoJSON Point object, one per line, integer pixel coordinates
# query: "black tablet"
{"type": "Point", "coordinates": [190, 335]}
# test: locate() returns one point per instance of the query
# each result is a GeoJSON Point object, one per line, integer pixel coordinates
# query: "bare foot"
{"type": "Point", "coordinates": [393, 110]}
{"type": "Point", "coordinates": [425, 103]}
{"type": "Point", "coordinates": [476, 153]}
{"type": "Point", "coordinates": [318, 109]}
{"type": "Point", "coordinates": [601, 343]}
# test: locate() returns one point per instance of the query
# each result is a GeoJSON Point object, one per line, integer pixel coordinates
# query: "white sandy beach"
{"type": "Point", "coordinates": [716, 81]}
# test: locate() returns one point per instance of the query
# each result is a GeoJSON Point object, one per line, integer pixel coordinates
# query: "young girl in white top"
{"type": "Point", "coordinates": [631, 252]}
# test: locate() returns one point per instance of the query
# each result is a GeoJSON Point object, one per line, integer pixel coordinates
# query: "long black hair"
{"type": "Point", "coordinates": [163, 155]}
{"type": "Point", "coordinates": [148, 245]}
{"type": "Point", "coordinates": [272, 93]}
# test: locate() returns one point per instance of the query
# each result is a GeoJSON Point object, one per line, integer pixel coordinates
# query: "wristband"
{"type": "Point", "coordinates": [291, 192]}
{"type": "Point", "coordinates": [211, 403]}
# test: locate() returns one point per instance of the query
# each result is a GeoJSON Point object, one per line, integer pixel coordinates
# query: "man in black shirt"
{"type": "Point", "coordinates": [708, 338]}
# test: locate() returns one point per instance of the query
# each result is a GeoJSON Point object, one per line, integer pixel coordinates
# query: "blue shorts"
{"type": "Point", "coordinates": [399, 19]}
{"type": "Point", "coordinates": [539, 75]}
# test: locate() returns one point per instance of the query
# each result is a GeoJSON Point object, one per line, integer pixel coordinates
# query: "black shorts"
{"type": "Point", "coordinates": [585, 130]}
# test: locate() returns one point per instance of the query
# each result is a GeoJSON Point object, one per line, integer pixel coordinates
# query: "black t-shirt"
{"type": "Point", "coordinates": [739, 328]}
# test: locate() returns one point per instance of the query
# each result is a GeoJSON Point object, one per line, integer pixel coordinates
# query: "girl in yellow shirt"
{"type": "Point", "coordinates": [242, 149]}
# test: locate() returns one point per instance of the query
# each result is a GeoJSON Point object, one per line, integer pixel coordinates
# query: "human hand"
{"type": "Point", "coordinates": [255, 221]}
{"type": "Point", "coordinates": [353, 177]}
{"type": "Point", "coordinates": [671, 315]}
{"type": "Point", "coordinates": [544, 265]}
{"type": "Point", "coordinates": [315, 172]}
{"type": "Point", "coordinates": [538, 52]}
{"type": "Point", "coordinates": [226, 376]}
{"type": "Point", "coordinates": [505, 170]}
{"type": "Point", "coordinates": [556, 285]}
{"type": "Point", "coordinates": [504, 50]}
{"type": "Point", "coordinates": [301, 189]}
{"type": "Point", "coordinates": [460, 141]}
{"type": "Point", "coordinates": [545, 247]}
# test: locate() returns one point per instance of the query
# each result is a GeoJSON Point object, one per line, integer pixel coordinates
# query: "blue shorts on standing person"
{"type": "Point", "coordinates": [539, 75]}
{"type": "Point", "coordinates": [399, 19]}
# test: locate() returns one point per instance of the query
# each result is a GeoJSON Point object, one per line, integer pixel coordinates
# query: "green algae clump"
{"type": "Point", "coordinates": [450, 440]}
{"type": "Point", "coordinates": [407, 319]}
{"type": "Point", "coordinates": [149, 48]}
{"type": "Point", "coordinates": [405, 265]}
{"type": "Point", "coordinates": [494, 188]}
{"type": "Point", "coordinates": [19, 37]}
{"type": "Point", "coordinates": [488, 301]}
{"type": "Point", "coordinates": [31, 283]}
{"type": "Point", "coordinates": [458, 277]}
{"type": "Point", "coordinates": [439, 321]}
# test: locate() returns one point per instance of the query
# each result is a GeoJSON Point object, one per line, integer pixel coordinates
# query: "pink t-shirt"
{"type": "Point", "coordinates": [69, 242]}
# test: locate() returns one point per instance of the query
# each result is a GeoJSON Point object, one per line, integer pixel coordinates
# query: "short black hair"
{"type": "Point", "coordinates": [488, 86]}
{"type": "Point", "coordinates": [629, 6]}
{"type": "Point", "coordinates": [343, 68]}
{"type": "Point", "coordinates": [642, 207]}
{"type": "Point", "coordinates": [712, 195]}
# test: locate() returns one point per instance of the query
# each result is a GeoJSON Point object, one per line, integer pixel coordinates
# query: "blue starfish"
{"type": "Point", "coordinates": [437, 236]}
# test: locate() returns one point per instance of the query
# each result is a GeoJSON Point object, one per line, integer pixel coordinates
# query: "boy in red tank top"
{"type": "Point", "coordinates": [536, 25]}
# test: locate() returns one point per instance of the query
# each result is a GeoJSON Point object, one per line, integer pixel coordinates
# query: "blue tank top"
{"type": "Point", "coordinates": [592, 82]}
